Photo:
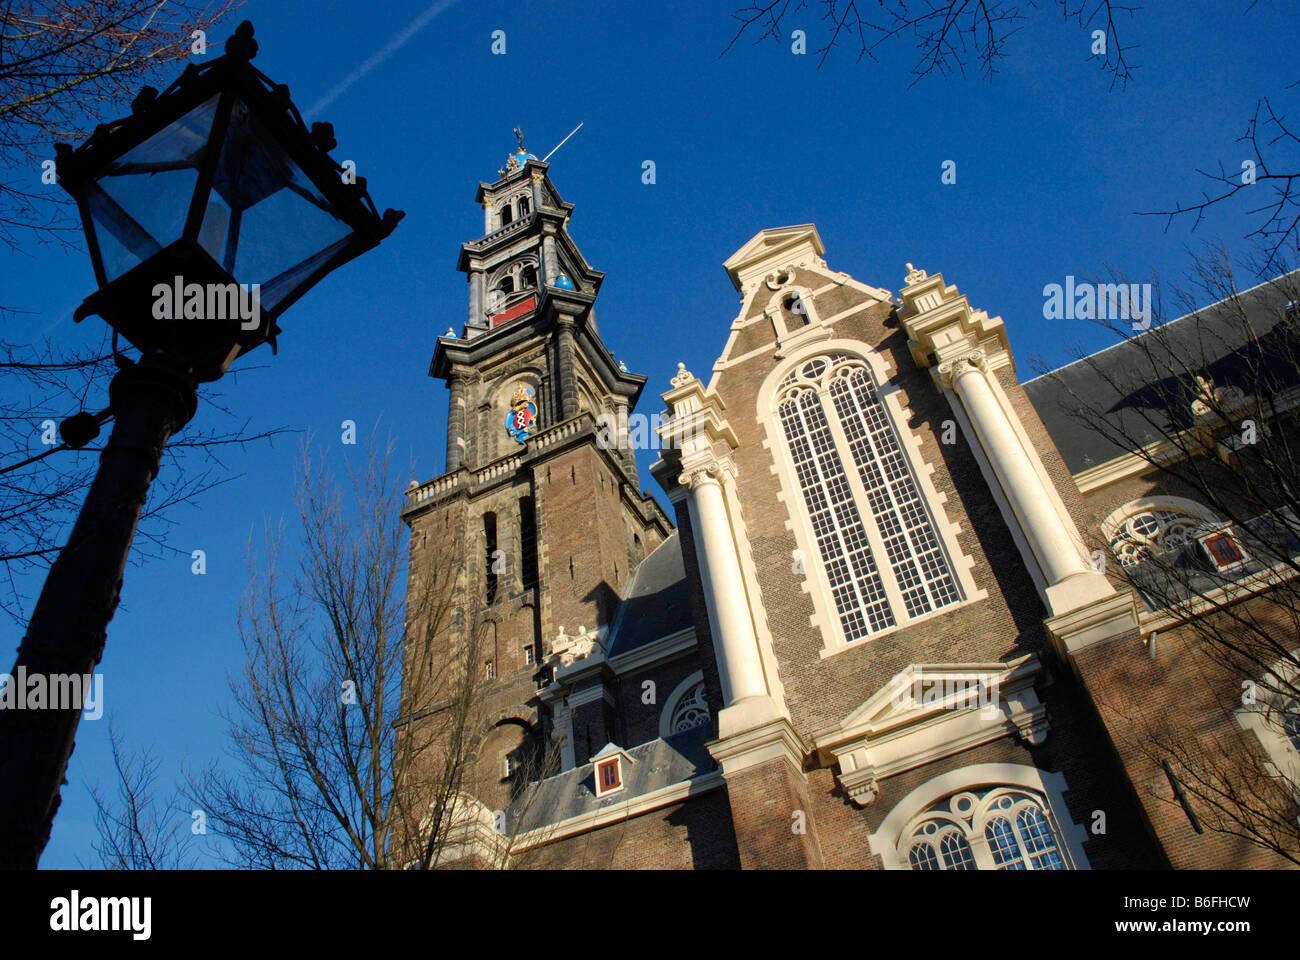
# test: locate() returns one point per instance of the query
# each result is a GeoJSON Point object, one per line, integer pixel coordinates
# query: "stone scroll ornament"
{"type": "Point", "coordinates": [522, 418]}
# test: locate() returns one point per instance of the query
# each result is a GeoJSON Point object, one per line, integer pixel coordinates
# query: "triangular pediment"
{"type": "Point", "coordinates": [925, 690]}
{"type": "Point", "coordinates": [931, 711]}
{"type": "Point", "coordinates": [770, 248]}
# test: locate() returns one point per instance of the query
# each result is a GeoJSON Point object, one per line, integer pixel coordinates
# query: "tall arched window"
{"type": "Point", "coordinates": [492, 560]}
{"type": "Point", "coordinates": [880, 552]}
{"type": "Point", "coordinates": [525, 207]}
{"type": "Point", "coordinates": [1003, 828]}
{"type": "Point", "coordinates": [504, 214]}
{"type": "Point", "coordinates": [527, 543]}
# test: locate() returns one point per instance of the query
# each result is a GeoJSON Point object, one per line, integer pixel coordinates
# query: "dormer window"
{"type": "Point", "coordinates": [609, 776]}
{"type": "Point", "coordinates": [1224, 551]}
{"type": "Point", "coordinates": [609, 768]}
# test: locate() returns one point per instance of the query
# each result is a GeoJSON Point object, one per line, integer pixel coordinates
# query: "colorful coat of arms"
{"type": "Point", "coordinates": [523, 414]}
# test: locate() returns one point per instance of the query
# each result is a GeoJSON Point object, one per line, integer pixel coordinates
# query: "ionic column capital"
{"type": "Point", "coordinates": [951, 371]}
{"type": "Point", "coordinates": [710, 471]}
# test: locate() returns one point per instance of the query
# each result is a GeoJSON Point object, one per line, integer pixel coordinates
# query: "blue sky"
{"type": "Point", "coordinates": [1052, 165]}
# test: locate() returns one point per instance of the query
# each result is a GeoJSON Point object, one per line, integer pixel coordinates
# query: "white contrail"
{"type": "Point", "coordinates": [375, 59]}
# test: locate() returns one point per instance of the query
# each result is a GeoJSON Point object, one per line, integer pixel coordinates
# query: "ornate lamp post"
{"type": "Point", "coordinates": [207, 212]}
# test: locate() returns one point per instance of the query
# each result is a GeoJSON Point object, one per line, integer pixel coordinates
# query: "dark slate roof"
{"type": "Point", "coordinates": [657, 764]}
{"type": "Point", "coordinates": [655, 601]}
{"type": "Point", "coordinates": [1122, 382]}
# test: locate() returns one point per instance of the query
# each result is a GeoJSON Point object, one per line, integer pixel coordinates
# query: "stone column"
{"type": "Point", "coordinates": [457, 384]}
{"type": "Point", "coordinates": [568, 375]}
{"type": "Point", "coordinates": [1049, 538]}
{"type": "Point", "coordinates": [739, 665]}
{"type": "Point", "coordinates": [476, 314]}
{"type": "Point", "coordinates": [549, 263]}
{"type": "Point", "coordinates": [538, 195]}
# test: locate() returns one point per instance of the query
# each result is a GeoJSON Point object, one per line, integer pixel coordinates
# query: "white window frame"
{"type": "Point", "coordinates": [973, 827]}
{"type": "Point", "coordinates": [890, 841]}
{"type": "Point", "coordinates": [1265, 719]}
{"type": "Point", "coordinates": [1117, 518]}
{"type": "Point", "coordinates": [1225, 531]}
{"type": "Point", "coordinates": [816, 581]}
{"type": "Point", "coordinates": [674, 700]}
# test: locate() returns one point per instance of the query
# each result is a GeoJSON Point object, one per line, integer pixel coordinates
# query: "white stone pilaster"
{"type": "Point", "coordinates": [1051, 542]}
{"type": "Point", "coordinates": [967, 345]}
{"type": "Point", "coordinates": [698, 443]}
{"type": "Point", "coordinates": [738, 660]}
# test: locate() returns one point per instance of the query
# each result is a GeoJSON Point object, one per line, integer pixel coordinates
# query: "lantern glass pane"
{"type": "Point", "coordinates": [266, 222]}
{"type": "Point", "coordinates": [138, 205]}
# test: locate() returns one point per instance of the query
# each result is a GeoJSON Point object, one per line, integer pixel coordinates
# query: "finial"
{"type": "Point", "coordinates": [242, 44]}
{"type": "Point", "coordinates": [914, 274]}
{"type": "Point", "coordinates": [683, 377]}
{"type": "Point", "coordinates": [519, 139]}
{"type": "Point", "coordinates": [451, 332]}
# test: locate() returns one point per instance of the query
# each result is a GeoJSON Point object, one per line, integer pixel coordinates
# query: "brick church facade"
{"type": "Point", "coordinates": [871, 633]}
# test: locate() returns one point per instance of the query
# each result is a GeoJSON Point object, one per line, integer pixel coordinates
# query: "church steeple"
{"type": "Point", "coordinates": [525, 246]}
{"type": "Point", "coordinates": [529, 355]}
{"type": "Point", "coordinates": [549, 510]}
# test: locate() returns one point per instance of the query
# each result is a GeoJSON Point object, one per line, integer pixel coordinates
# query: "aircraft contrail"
{"type": "Point", "coordinates": [375, 59]}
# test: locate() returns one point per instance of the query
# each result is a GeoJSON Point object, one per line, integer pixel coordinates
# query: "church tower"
{"type": "Point", "coordinates": [537, 489]}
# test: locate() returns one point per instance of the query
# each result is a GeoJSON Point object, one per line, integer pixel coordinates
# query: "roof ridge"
{"type": "Point", "coordinates": [1128, 340]}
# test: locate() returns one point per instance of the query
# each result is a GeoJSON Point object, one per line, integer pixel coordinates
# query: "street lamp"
{"type": "Point", "coordinates": [207, 212]}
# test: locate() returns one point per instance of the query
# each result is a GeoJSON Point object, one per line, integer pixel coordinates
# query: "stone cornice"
{"type": "Point", "coordinates": [1098, 622]}
{"type": "Point", "coordinates": [771, 249]}
{"type": "Point", "coordinates": [941, 325]}
{"type": "Point", "coordinates": [665, 648]}
{"type": "Point", "coordinates": [931, 711]}
{"type": "Point", "coordinates": [673, 793]}
{"type": "Point", "coordinates": [775, 739]}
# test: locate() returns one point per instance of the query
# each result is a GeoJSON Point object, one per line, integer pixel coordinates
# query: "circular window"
{"type": "Point", "coordinates": [1145, 525]}
{"type": "Point", "coordinates": [813, 369]}
{"type": "Point", "coordinates": [963, 804]}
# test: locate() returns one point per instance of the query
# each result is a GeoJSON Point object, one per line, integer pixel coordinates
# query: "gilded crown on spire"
{"type": "Point", "coordinates": [518, 158]}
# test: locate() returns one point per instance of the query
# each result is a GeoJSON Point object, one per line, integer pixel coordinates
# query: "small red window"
{"type": "Point", "coordinates": [1224, 551]}
{"type": "Point", "coordinates": [609, 775]}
